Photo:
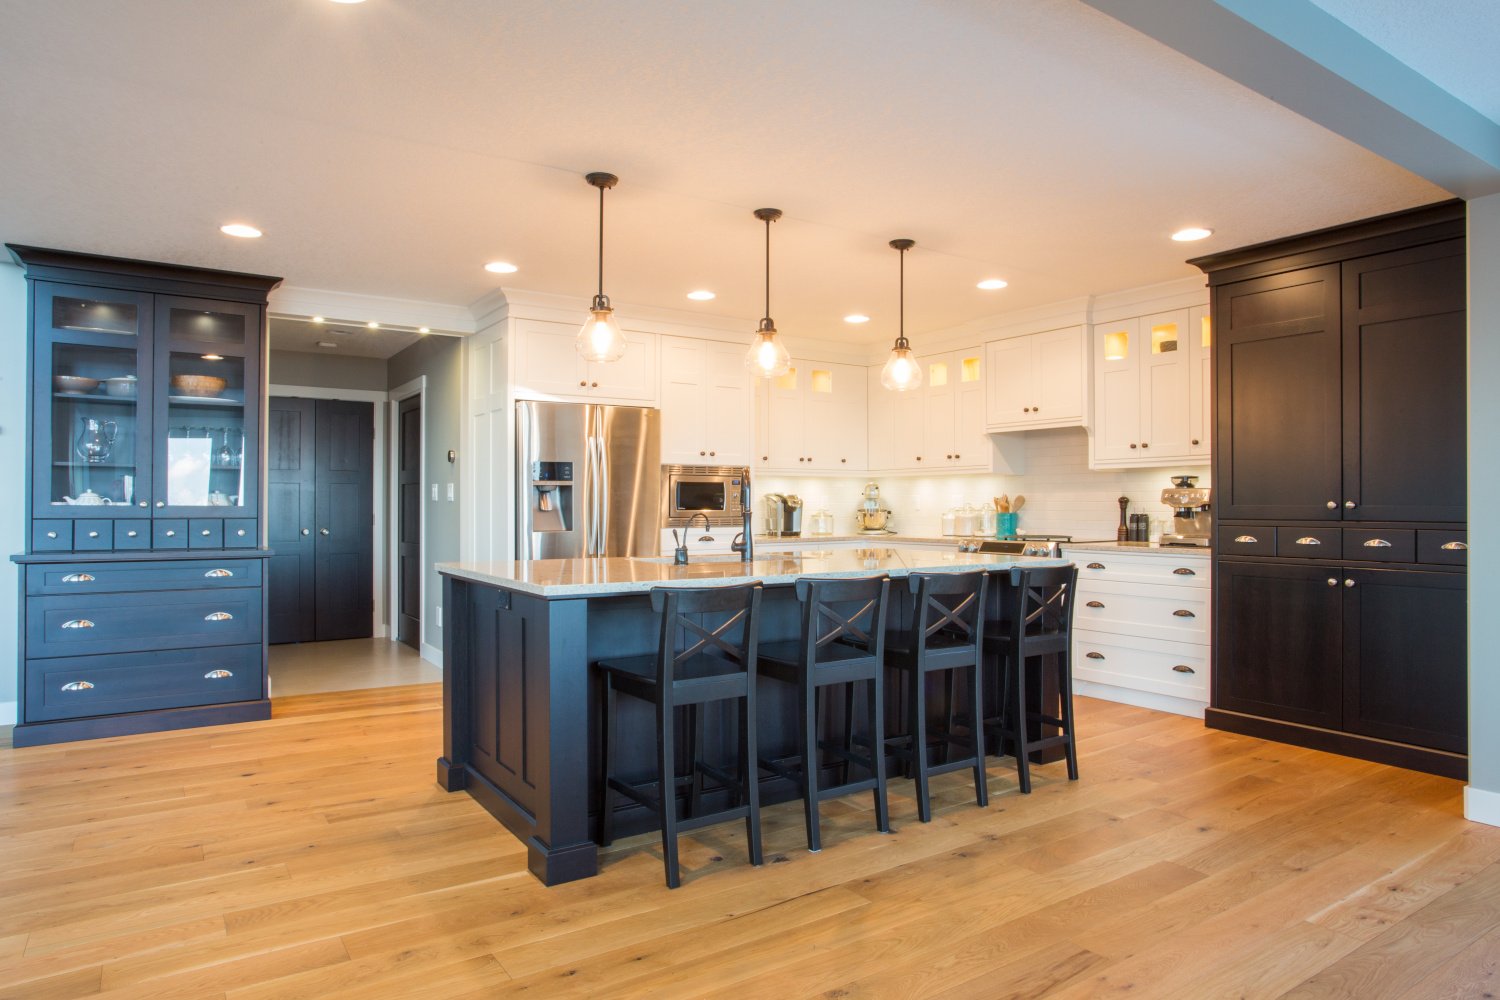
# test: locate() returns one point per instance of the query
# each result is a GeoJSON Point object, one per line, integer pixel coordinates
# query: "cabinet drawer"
{"type": "Point", "coordinates": [1178, 614]}
{"type": "Point", "coordinates": [1309, 543]}
{"type": "Point", "coordinates": [1179, 669]}
{"type": "Point", "coordinates": [51, 536]}
{"type": "Point", "coordinates": [1381, 544]}
{"type": "Point", "coordinates": [169, 533]}
{"type": "Point", "coordinates": [103, 578]}
{"type": "Point", "coordinates": [113, 623]}
{"type": "Point", "coordinates": [1243, 540]}
{"type": "Point", "coordinates": [132, 535]}
{"type": "Point", "coordinates": [93, 535]}
{"type": "Point", "coordinates": [240, 533]}
{"type": "Point", "coordinates": [205, 533]}
{"type": "Point", "coordinates": [1449, 548]}
{"type": "Point", "coordinates": [73, 687]}
{"type": "Point", "coordinates": [1167, 568]}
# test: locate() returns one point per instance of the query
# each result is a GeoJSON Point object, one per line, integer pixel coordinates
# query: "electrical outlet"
{"type": "Point", "coordinates": [452, 494]}
{"type": "Point", "coordinates": [439, 616]}
{"type": "Point", "coordinates": [434, 491]}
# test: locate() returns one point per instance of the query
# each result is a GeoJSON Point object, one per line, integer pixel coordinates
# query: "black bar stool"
{"type": "Point", "coordinates": [946, 634]}
{"type": "Point", "coordinates": [1037, 622]}
{"type": "Point", "coordinates": [696, 664]}
{"type": "Point", "coordinates": [842, 642]}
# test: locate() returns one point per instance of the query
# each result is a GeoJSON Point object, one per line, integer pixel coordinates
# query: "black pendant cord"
{"type": "Point", "coordinates": [601, 242]}
{"type": "Point", "coordinates": [767, 313]}
{"type": "Point", "coordinates": [901, 246]}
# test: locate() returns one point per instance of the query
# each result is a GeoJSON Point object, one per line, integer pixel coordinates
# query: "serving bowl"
{"type": "Point", "coordinates": [198, 385]}
{"type": "Point", "coordinates": [123, 386]}
{"type": "Point", "coordinates": [74, 385]}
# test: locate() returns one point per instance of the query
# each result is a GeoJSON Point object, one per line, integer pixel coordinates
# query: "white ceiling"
{"type": "Point", "coordinates": [392, 147]}
{"type": "Point", "coordinates": [352, 340]}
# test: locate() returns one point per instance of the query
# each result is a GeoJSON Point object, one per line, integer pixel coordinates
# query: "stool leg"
{"type": "Point", "coordinates": [810, 765]}
{"type": "Point", "coordinates": [918, 728]}
{"type": "Point", "coordinates": [1017, 666]}
{"type": "Point", "coordinates": [607, 737]}
{"type": "Point", "coordinates": [848, 727]}
{"type": "Point", "coordinates": [877, 750]}
{"type": "Point", "coordinates": [666, 763]}
{"type": "Point", "coordinates": [1066, 664]}
{"type": "Point", "coordinates": [750, 773]}
{"type": "Point", "coordinates": [695, 751]}
{"type": "Point", "coordinates": [976, 731]}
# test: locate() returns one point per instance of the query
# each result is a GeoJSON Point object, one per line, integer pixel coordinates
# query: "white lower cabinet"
{"type": "Point", "coordinates": [1141, 627]}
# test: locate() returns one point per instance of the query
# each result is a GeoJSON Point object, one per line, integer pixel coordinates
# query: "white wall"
{"type": "Point", "coordinates": [12, 486]}
{"type": "Point", "coordinates": [1063, 496]}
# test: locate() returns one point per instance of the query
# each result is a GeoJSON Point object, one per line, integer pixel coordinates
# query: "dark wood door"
{"type": "Point", "coordinates": [1279, 647]}
{"type": "Point", "coordinates": [1405, 403]}
{"type": "Point", "coordinates": [409, 522]}
{"type": "Point", "coordinates": [344, 519]}
{"type": "Point", "coordinates": [291, 468]}
{"type": "Point", "coordinates": [1277, 397]}
{"type": "Point", "coordinates": [1405, 657]}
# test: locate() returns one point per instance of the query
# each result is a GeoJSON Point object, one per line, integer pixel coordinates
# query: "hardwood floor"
{"type": "Point", "coordinates": [313, 856]}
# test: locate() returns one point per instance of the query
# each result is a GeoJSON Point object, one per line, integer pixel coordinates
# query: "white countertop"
{"type": "Point", "coordinates": [874, 538]}
{"type": "Point", "coordinates": [1148, 547]}
{"type": "Point", "coordinates": [604, 577]}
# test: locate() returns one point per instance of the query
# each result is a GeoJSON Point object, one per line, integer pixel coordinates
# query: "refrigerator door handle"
{"type": "Point", "coordinates": [523, 520]}
{"type": "Point", "coordinates": [603, 490]}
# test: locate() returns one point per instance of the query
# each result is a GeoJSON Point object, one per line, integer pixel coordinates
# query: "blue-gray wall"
{"type": "Point", "coordinates": [13, 482]}
{"type": "Point", "coordinates": [1484, 528]}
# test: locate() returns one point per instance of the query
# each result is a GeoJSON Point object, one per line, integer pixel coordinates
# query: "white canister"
{"type": "Point", "coordinates": [949, 522]}
{"type": "Point", "coordinates": [965, 521]}
{"type": "Point", "coordinates": [987, 522]}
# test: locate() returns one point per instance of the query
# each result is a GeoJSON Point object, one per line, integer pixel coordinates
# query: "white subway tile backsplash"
{"type": "Point", "coordinates": [1063, 495]}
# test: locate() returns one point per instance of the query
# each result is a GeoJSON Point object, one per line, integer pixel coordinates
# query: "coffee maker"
{"type": "Point", "coordinates": [1190, 513]}
{"type": "Point", "coordinates": [783, 515]}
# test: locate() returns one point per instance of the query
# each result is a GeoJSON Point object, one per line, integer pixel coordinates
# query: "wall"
{"type": "Point", "coordinates": [1063, 496]}
{"type": "Point", "coordinates": [328, 371]}
{"type": "Point", "coordinates": [440, 359]}
{"type": "Point", "coordinates": [12, 487]}
{"type": "Point", "coordinates": [1482, 797]}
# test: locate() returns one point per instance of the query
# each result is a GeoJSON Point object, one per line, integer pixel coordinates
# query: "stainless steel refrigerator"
{"type": "Point", "coordinates": [588, 479]}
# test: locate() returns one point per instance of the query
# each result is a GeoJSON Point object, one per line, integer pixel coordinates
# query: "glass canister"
{"type": "Point", "coordinates": [965, 521]}
{"type": "Point", "coordinates": [950, 519]}
{"type": "Point", "coordinates": [822, 523]}
{"type": "Point", "coordinates": [987, 521]}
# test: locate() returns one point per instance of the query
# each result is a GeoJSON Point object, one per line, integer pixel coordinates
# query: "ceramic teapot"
{"type": "Point", "coordinates": [88, 498]}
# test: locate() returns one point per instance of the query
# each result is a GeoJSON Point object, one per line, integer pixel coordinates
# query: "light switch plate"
{"type": "Point", "coordinates": [434, 491]}
{"type": "Point", "coordinates": [452, 495]}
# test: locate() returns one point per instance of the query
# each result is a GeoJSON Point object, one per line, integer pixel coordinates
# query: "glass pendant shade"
{"type": "Point", "coordinates": [767, 357]}
{"type": "Point", "coordinates": [901, 372]}
{"type": "Point", "coordinates": [600, 339]}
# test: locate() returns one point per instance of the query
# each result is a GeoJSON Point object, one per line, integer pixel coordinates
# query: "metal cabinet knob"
{"type": "Point", "coordinates": [132, 533]}
{"type": "Point", "coordinates": [161, 503]}
{"type": "Point", "coordinates": [307, 531]}
{"type": "Point", "coordinates": [584, 383]}
{"type": "Point", "coordinates": [1377, 543]}
{"type": "Point", "coordinates": [78, 578]}
{"type": "Point", "coordinates": [219, 574]}
{"type": "Point", "coordinates": [1095, 566]}
{"type": "Point", "coordinates": [1333, 505]}
{"type": "Point", "coordinates": [1093, 655]}
{"type": "Point", "coordinates": [702, 453]}
{"type": "Point", "coordinates": [1333, 582]}
{"type": "Point", "coordinates": [1195, 441]}
{"type": "Point", "coordinates": [1145, 445]}
{"type": "Point", "coordinates": [219, 616]}
{"type": "Point", "coordinates": [51, 534]}
{"type": "Point", "coordinates": [713, 454]}
{"type": "Point", "coordinates": [1246, 539]}
{"type": "Point", "coordinates": [1308, 540]}
{"type": "Point", "coordinates": [1132, 445]}
{"type": "Point", "coordinates": [1348, 583]}
{"type": "Point", "coordinates": [205, 532]}
{"type": "Point", "coordinates": [1183, 668]}
{"type": "Point", "coordinates": [1350, 504]}
{"type": "Point", "coordinates": [93, 534]}
{"type": "Point", "coordinates": [240, 532]}
{"type": "Point", "coordinates": [1095, 604]}
{"type": "Point", "coordinates": [171, 533]}
{"type": "Point", "coordinates": [1183, 613]}
{"type": "Point", "coordinates": [218, 675]}
{"type": "Point", "coordinates": [1025, 409]}
{"type": "Point", "coordinates": [919, 458]}
{"type": "Point", "coordinates": [1184, 571]}
{"type": "Point", "coordinates": [144, 504]}
{"type": "Point", "coordinates": [78, 686]}
{"type": "Point", "coordinates": [593, 385]}
{"type": "Point", "coordinates": [1454, 547]}
{"type": "Point", "coordinates": [322, 531]}
{"type": "Point", "coordinates": [77, 623]}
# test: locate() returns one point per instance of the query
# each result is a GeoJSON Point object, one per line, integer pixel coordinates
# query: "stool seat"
{"type": "Point", "coordinates": [698, 679]}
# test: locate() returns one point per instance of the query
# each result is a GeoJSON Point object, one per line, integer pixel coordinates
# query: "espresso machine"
{"type": "Point", "coordinates": [783, 515]}
{"type": "Point", "coordinates": [1190, 513]}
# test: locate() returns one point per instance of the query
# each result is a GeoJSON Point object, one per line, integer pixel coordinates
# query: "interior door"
{"type": "Point", "coordinates": [291, 468]}
{"type": "Point", "coordinates": [344, 519]}
{"type": "Point", "coordinates": [409, 522]}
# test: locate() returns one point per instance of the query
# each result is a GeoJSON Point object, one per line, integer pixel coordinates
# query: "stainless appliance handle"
{"type": "Point", "coordinates": [523, 482]}
{"type": "Point", "coordinates": [591, 487]}
{"type": "Point", "coordinates": [603, 489]}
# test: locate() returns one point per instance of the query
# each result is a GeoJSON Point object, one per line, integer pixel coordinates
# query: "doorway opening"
{"type": "Point", "coordinates": [407, 544]}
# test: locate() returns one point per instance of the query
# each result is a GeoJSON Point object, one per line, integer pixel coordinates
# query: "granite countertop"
{"type": "Point", "coordinates": [881, 538]}
{"type": "Point", "coordinates": [605, 577]}
{"type": "Point", "coordinates": [1150, 547]}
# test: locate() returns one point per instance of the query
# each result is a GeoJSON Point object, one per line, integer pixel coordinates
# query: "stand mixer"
{"type": "Point", "coordinates": [871, 517]}
{"type": "Point", "coordinates": [1190, 513]}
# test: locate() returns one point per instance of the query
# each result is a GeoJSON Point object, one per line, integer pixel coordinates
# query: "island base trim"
{"type": "Point", "coordinates": [551, 865]}
{"type": "Point", "coordinates": [1415, 758]}
{"type": "Point", "coordinates": [135, 723]}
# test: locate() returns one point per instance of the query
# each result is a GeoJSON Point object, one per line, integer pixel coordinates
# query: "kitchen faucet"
{"type": "Point", "coordinates": [707, 527]}
{"type": "Point", "coordinates": [744, 542]}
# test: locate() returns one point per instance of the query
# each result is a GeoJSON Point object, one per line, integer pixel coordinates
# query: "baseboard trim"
{"type": "Point", "coordinates": [1481, 805]}
{"type": "Point", "coordinates": [1441, 762]}
{"type": "Point", "coordinates": [432, 654]}
{"type": "Point", "coordinates": [8, 713]}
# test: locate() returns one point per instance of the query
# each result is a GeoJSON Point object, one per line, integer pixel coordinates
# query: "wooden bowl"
{"type": "Point", "coordinates": [198, 385]}
{"type": "Point", "coordinates": [74, 385]}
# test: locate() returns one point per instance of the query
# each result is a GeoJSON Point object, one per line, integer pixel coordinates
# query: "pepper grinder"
{"type": "Point", "coordinates": [1123, 532]}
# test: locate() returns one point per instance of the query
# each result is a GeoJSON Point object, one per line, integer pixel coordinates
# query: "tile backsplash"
{"type": "Point", "coordinates": [1063, 495]}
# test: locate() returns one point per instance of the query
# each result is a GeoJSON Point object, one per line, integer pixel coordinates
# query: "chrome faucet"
{"type": "Point", "coordinates": [744, 542]}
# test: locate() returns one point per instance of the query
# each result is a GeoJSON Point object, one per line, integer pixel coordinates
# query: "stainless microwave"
{"type": "Point", "coordinates": [710, 490]}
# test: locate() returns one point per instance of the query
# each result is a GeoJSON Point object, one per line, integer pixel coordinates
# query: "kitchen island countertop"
{"type": "Point", "coordinates": [1150, 548]}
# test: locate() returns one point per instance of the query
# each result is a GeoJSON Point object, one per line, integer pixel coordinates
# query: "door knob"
{"type": "Point", "coordinates": [322, 531]}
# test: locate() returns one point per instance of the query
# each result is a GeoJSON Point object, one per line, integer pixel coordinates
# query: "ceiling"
{"type": "Point", "coordinates": [392, 147]}
{"type": "Point", "coordinates": [350, 340]}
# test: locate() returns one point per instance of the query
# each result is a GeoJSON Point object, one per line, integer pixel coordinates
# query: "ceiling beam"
{"type": "Point", "coordinates": [1307, 60]}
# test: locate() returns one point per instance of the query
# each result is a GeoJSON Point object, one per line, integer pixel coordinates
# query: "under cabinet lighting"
{"type": "Point", "coordinates": [317, 319]}
{"type": "Point", "coordinates": [423, 329]}
{"type": "Point", "coordinates": [373, 325]}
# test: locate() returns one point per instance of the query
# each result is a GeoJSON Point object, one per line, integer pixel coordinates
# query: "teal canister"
{"type": "Point", "coordinates": [1005, 524]}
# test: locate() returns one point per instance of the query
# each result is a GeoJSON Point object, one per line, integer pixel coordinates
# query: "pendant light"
{"type": "Point", "coordinates": [901, 372]}
{"type": "Point", "coordinates": [768, 357]}
{"type": "Point", "coordinates": [600, 338]}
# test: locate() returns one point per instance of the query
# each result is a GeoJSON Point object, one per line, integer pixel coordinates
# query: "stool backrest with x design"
{"type": "Point", "coordinates": [720, 623]}
{"type": "Point", "coordinates": [949, 615]}
{"type": "Point", "coordinates": [840, 615]}
{"type": "Point", "coordinates": [1042, 619]}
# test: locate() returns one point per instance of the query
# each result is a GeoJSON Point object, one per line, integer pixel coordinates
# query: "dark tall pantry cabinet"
{"type": "Point", "coordinates": [1340, 481]}
{"type": "Point", "coordinates": [141, 604]}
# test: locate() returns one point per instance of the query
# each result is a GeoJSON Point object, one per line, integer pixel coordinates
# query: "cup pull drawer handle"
{"type": "Point", "coordinates": [77, 623]}
{"type": "Point", "coordinates": [1094, 656]}
{"type": "Point", "coordinates": [1183, 668]}
{"type": "Point", "coordinates": [1184, 571]}
{"type": "Point", "coordinates": [1455, 546]}
{"type": "Point", "coordinates": [1309, 540]}
{"type": "Point", "coordinates": [1096, 604]}
{"type": "Point", "coordinates": [1247, 539]}
{"type": "Point", "coordinates": [219, 616]}
{"type": "Point", "coordinates": [78, 686]}
{"type": "Point", "coordinates": [1183, 613]}
{"type": "Point", "coordinates": [1377, 543]}
{"type": "Point", "coordinates": [219, 574]}
{"type": "Point", "coordinates": [218, 675]}
{"type": "Point", "coordinates": [78, 578]}
{"type": "Point", "coordinates": [1096, 566]}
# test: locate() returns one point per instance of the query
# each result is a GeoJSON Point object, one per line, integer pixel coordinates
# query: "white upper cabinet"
{"type": "Point", "coordinates": [705, 403]}
{"type": "Point", "coordinates": [1200, 384]}
{"type": "Point", "coordinates": [812, 419]}
{"type": "Point", "coordinates": [1037, 380]}
{"type": "Point", "coordinates": [548, 366]}
{"type": "Point", "coordinates": [940, 426]}
{"type": "Point", "coordinates": [1150, 398]}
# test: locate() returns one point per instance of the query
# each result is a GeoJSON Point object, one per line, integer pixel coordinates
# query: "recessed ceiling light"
{"type": "Point", "coordinates": [348, 1]}
{"type": "Point", "coordinates": [990, 284]}
{"type": "Point", "coordinates": [856, 318]}
{"type": "Point", "coordinates": [373, 325]}
{"type": "Point", "coordinates": [501, 267]}
{"type": "Point", "coordinates": [701, 295]}
{"type": "Point", "coordinates": [1191, 233]}
{"type": "Point", "coordinates": [241, 230]}
{"type": "Point", "coordinates": [327, 343]}
{"type": "Point", "coordinates": [423, 329]}
{"type": "Point", "coordinates": [317, 319]}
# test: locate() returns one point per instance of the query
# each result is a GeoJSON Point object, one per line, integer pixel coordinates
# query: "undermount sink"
{"type": "Point", "coordinates": [707, 557]}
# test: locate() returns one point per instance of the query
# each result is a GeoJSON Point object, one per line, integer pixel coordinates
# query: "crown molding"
{"type": "Point", "coordinates": [295, 302]}
{"type": "Point", "coordinates": [1180, 293]}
